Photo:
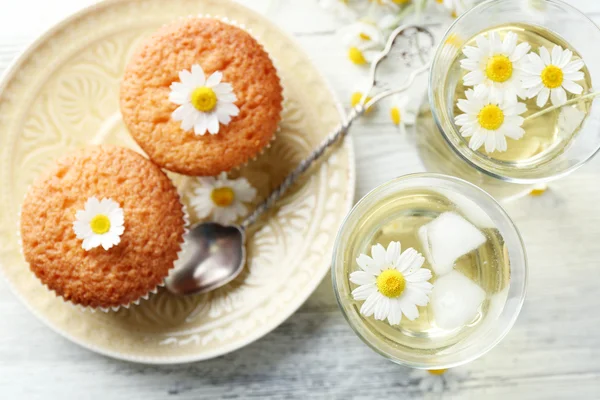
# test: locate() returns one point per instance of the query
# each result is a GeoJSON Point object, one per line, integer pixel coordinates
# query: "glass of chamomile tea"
{"type": "Point", "coordinates": [429, 271]}
{"type": "Point", "coordinates": [511, 101]}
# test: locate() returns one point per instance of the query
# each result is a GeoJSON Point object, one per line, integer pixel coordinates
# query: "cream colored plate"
{"type": "Point", "coordinates": [63, 94]}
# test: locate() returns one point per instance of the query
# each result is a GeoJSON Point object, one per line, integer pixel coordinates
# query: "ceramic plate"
{"type": "Point", "coordinates": [62, 94]}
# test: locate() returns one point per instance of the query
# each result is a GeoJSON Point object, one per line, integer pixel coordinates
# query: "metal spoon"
{"type": "Point", "coordinates": [215, 254]}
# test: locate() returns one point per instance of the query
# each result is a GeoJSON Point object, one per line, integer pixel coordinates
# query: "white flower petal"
{"type": "Point", "coordinates": [509, 43]}
{"type": "Point", "coordinates": [382, 308]}
{"type": "Point", "coordinates": [531, 81]}
{"type": "Point", "coordinates": [82, 229]}
{"type": "Point", "coordinates": [408, 309]}
{"type": "Point", "coordinates": [395, 314]}
{"type": "Point", "coordinates": [416, 296]}
{"type": "Point", "coordinates": [490, 142]}
{"type": "Point", "coordinates": [419, 275]}
{"type": "Point", "coordinates": [483, 44]}
{"type": "Point", "coordinates": [229, 108]}
{"type": "Point", "coordinates": [224, 215]}
{"type": "Point", "coordinates": [520, 51]}
{"type": "Point", "coordinates": [535, 64]}
{"type": "Point", "coordinates": [200, 124]}
{"type": "Point", "coordinates": [213, 123]}
{"type": "Point", "coordinates": [362, 278]}
{"type": "Point", "coordinates": [469, 65]}
{"type": "Point", "coordinates": [545, 56]}
{"type": "Point", "coordinates": [223, 88]}
{"type": "Point", "coordinates": [186, 78]}
{"type": "Point", "coordinates": [474, 78]}
{"type": "Point", "coordinates": [477, 140]}
{"type": "Point", "coordinates": [368, 307]}
{"type": "Point", "coordinates": [378, 254]}
{"type": "Point", "coordinates": [566, 56]}
{"type": "Point", "coordinates": [214, 79]}
{"type": "Point", "coordinates": [363, 292]}
{"type": "Point", "coordinates": [574, 76]}
{"type": "Point", "coordinates": [179, 97]}
{"type": "Point", "coordinates": [392, 253]}
{"type": "Point", "coordinates": [501, 144]}
{"type": "Point", "coordinates": [473, 53]}
{"type": "Point", "coordinates": [409, 261]}
{"type": "Point", "coordinates": [572, 87]}
{"type": "Point", "coordinates": [367, 264]}
{"type": "Point", "coordinates": [202, 206]}
{"type": "Point", "coordinates": [198, 77]}
{"type": "Point", "coordinates": [556, 56]}
{"type": "Point", "coordinates": [573, 66]}
{"type": "Point", "coordinates": [514, 131]}
{"type": "Point", "coordinates": [542, 98]}
{"type": "Point", "coordinates": [558, 96]}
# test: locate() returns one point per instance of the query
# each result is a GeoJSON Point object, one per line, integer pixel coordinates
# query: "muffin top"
{"type": "Point", "coordinates": [147, 227]}
{"type": "Point", "coordinates": [165, 74]}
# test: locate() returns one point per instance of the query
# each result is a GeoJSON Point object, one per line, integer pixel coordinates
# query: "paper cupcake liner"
{"type": "Point", "coordinates": [186, 228]}
{"type": "Point", "coordinates": [240, 25]}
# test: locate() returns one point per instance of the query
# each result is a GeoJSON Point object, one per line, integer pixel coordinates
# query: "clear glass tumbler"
{"type": "Point", "coordinates": [441, 146]}
{"type": "Point", "coordinates": [396, 211]}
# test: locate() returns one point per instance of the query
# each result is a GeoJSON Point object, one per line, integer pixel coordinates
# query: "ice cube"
{"type": "Point", "coordinates": [469, 209]}
{"type": "Point", "coordinates": [447, 238]}
{"type": "Point", "coordinates": [455, 300]}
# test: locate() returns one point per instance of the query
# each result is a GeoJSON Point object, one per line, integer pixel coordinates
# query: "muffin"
{"type": "Point", "coordinates": [201, 97]}
{"type": "Point", "coordinates": [102, 228]}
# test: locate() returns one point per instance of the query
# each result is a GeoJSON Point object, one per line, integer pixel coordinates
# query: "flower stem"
{"type": "Point", "coordinates": [572, 101]}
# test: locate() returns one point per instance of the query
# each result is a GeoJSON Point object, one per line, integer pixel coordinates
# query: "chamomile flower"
{"type": "Point", "coordinates": [222, 197]}
{"type": "Point", "coordinates": [364, 41]}
{"type": "Point", "coordinates": [552, 75]}
{"type": "Point", "coordinates": [496, 64]}
{"type": "Point", "coordinates": [203, 103]}
{"type": "Point", "coordinates": [392, 283]}
{"type": "Point", "coordinates": [392, 5]}
{"type": "Point", "coordinates": [439, 380]}
{"type": "Point", "coordinates": [400, 114]}
{"type": "Point", "coordinates": [488, 120]}
{"type": "Point", "coordinates": [456, 7]}
{"type": "Point", "coordinates": [356, 98]}
{"type": "Point", "coordinates": [100, 223]}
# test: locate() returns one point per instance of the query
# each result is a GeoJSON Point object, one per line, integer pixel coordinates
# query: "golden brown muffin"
{"type": "Point", "coordinates": [215, 46]}
{"type": "Point", "coordinates": [153, 221]}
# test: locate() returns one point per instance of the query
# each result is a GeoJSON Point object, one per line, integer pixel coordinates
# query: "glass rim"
{"type": "Point", "coordinates": [436, 117]}
{"type": "Point", "coordinates": [518, 288]}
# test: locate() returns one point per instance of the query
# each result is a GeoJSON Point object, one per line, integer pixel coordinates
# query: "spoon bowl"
{"type": "Point", "coordinates": [213, 255]}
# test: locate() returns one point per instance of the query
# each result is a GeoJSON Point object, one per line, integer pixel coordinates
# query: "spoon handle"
{"type": "Point", "coordinates": [339, 132]}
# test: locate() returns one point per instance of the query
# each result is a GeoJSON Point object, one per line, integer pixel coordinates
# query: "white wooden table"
{"type": "Point", "coordinates": [553, 352]}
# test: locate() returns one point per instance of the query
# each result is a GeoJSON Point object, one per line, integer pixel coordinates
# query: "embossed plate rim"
{"type": "Point", "coordinates": [293, 305]}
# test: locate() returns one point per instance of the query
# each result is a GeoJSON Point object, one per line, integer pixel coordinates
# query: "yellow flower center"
{"type": "Point", "coordinates": [491, 117]}
{"type": "Point", "coordinates": [395, 115]}
{"type": "Point", "coordinates": [437, 371]}
{"type": "Point", "coordinates": [100, 224]}
{"type": "Point", "coordinates": [364, 36]}
{"type": "Point", "coordinates": [356, 98]}
{"type": "Point", "coordinates": [204, 99]}
{"type": "Point", "coordinates": [552, 77]}
{"type": "Point", "coordinates": [223, 196]}
{"type": "Point", "coordinates": [499, 68]}
{"type": "Point", "coordinates": [391, 283]}
{"type": "Point", "coordinates": [401, 1]}
{"type": "Point", "coordinates": [356, 56]}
